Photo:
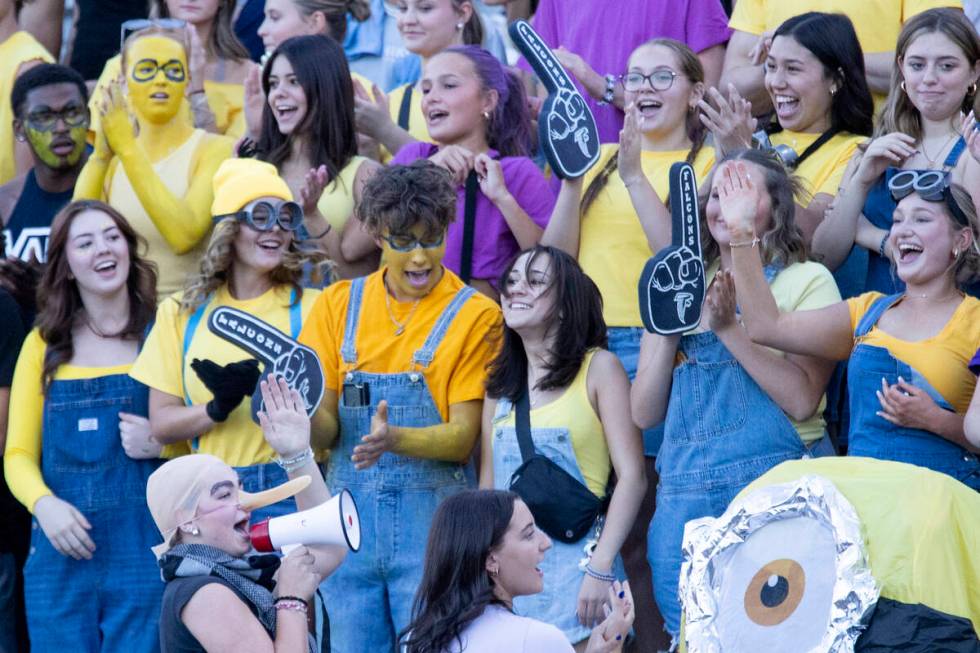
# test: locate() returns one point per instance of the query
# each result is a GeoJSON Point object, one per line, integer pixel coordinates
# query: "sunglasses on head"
{"type": "Point", "coordinates": [930, 185]}
{"type": "Point", "coordinates": [139, 24]}
{"type": "Point", "coordinates": [264, 216]}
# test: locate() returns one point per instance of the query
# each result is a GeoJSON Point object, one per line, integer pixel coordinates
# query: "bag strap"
{"type": "Point", "coordinates": [775, 128]}
{"type": "Point", "coordinates": [522, 419]}
{"type": "Point", "coordinates": [405, 108]}
{"type": "Point", "coordinates": [469, 224]}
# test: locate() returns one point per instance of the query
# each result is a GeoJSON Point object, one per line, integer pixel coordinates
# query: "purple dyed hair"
{"type": "Point", "coordinates": [509, 127]}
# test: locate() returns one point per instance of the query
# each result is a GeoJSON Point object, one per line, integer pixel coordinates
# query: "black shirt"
{"type": "Point", "coordinates": [15, 520]}
{"type": "Point", "coordinates": [174, 636]}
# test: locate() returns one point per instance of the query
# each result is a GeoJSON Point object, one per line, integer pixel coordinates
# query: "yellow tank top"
{"type": "Point", "coordinates": [337, 201]}
{"type": "Point", "coordinates": [573, 411]}
{"type": "Point", "coordinates": [174, 170]}
{"type": "Point", "coordinates": [17, 50]}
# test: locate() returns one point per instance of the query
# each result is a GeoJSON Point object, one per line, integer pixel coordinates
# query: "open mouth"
{"type": "Point", "coordinates": [519, 306]}
{"type": "Point", "coordinates": [908, 252]}
{"type": "Point", "coordinates": [648, 107]}
{"type": "Point", "coordinates": [786, 105]}
{"type": "Point", "coordinates": [160, 96]}
{"type": "Point", "coordinates": [436, 115]}
{"type": "Point", "coordinates": [270, 244]}
{"type": "Point", "coordinates": [285, 111]}
{"type": "Point", "coordinates": [418, 278]}
{"type": "Point", "coordinates": [241, 528]}
{"type": "Point", "coordinates": [106, 267]}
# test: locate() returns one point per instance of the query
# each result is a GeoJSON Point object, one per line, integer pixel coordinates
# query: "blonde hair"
{"type": "Point", "coordinates": [966, 269]}
{"type": "Point", "coordinates": [219, 257]}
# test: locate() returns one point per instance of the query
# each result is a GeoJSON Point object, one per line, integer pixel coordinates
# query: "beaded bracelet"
{"type": "Point", "coordinates": [286, 597]}
{"type": "Point", "coordinates": [884, 243]}
{"type": "Point", "coordinates": [292, 603]}
{"type": "Point", "coordinates": [598, 575]}
{"type": "Point", "coordinates": [297, 461]}
{"type": "Point", "coordinates": [747, 243]}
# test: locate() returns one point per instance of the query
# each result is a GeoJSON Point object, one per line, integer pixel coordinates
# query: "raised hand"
{"type": "Point", "coordinates": [229, 384]}
{"type": "Point", "coordinates": [729, 120]}
{"type": "Point", "coordinates": [739, 198]}
{"type": "Point", "coordinates": [491, 178]}
{"type": "Point", "coordinates": [760, 51]}
{"type": "Point", "coordinates": [371, 112]}
{"type": "Point", "coordinates": [378, 441]}
{"type": "Point", "coordinates": [970, 129]}
{"type": "Point", "coordinates": [888, 150]}
{"type": "Point", "coordinates": [254, 101]}
{"type": "Point", "coordinates": [313, 184]}
{"type": "Point", "coordinates": [629, 162]}
{"type": "Point", "coordinates": [284, 422]}
{"type": "Point", "coordinates": [197, 62]}
{"type": "Point", "coordinates": [117, 124]}
{"type": "Point", "coordinates": [65, 527]}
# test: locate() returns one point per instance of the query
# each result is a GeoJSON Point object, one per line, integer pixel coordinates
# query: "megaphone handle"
{"type": "Point", "coordinates": [289, 548]}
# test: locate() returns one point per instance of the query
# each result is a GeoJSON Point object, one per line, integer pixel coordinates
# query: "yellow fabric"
{"type": "Point", "coordinates": [416, 119]}
{"type": "Point", "coordinates": [920, 528]}
{"type": "Point", "coordinates": [877, 22]}
{"type": "Point", "coordinates": [573, 411]}
{"type": "Point", "coordinates": [456, 374]}
{"type": "Point", "coordinates": [238, 440]}
{"type": "Point", "coordinates": [239, 181]}
{"type": "Point", "coordinates": [226, 99]}
{"type": "Point", "coordinates": [942, 359]}
{"type": "Point", "coordinates": [613, 247]}
{"type": "Point", "coordinates": [337, 201]}
{"type": "Point", "coordinates": [801, 287]}
{"type": "Point", "coordinates": [175, 173]}
{"type": "Point", "coordinates": [22, 459]}
{"type": "Point", "coordinates": [823, 170]}
{"type": "Point", "coordinates": [18, 49]}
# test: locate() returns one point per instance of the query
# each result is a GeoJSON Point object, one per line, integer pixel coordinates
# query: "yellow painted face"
{"type": "Point", "coordinates": [156, 77]}
{"type": "Point", "coordinates": [414, 262]}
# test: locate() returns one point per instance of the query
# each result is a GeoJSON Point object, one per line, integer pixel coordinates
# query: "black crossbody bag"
{"type": "Point", "coordinates": [562, 506]}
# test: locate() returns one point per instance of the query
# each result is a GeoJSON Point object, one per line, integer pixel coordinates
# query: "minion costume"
{"type": "Point", "coordinates": [837, 554]}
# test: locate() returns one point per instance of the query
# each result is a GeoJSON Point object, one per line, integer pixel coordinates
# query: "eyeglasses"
{"type": "Point", "coordinates": [147, 69]}
{"type": "Point", "coordinates": [660, 80]}
{"type": "Point", "coordinates": [930, 185]}
{"type": "Point", "coordinates": [139, 24]}
{"type": "Point", "coordinates": [44, 120]}
{"type": "Point", "coordinates": [264, 216]}
{"type": "Point", "coordinates": [403, 243]}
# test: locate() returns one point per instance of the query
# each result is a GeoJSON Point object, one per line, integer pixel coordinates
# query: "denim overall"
{"type": "Point", "coordinates": [875, 437]}
{"type": "Point", "coordinates": [111, 602]}
{"type": "Point", "coordinates": [625, 343]}
{"type": "Point", "coordinates": [722, 431]}
{"type": "Point", "coordinates": [263, 476]}
{"type": "Point", "coordinates": [369, 597]}
{"type": "Point", "coordinates": [558, 602]}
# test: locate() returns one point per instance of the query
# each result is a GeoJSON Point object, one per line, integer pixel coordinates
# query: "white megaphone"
{"type": "Point", "coordinates": [332, 522]}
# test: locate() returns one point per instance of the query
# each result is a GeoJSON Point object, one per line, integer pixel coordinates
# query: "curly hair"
{"type": "Point", "coordinates": [782, 243]}
{"type": "Point", "coordinates": [219, 258]}
{"type": "Point", "coordinates": [59, 302]}
{"type": "Point", "coordinates": [399, 197]}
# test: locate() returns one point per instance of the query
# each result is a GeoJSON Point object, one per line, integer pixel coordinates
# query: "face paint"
{"type": "Point", "coordinates": [413, 274]}
{"type": "Point", "coordinates": [57, 149]}
{"type": "Point", "coordinates": [156, 77]}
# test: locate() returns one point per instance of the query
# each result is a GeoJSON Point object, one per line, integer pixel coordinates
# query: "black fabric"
{"type": "Point", "coordinates": [97, 32]}
{"type": "Point", "coordinates": [906, 628]}
{"type": "Point", "coordinates": [228, 383]}
{"type": "Point", "coordinates": [469, 225]}
{"type": "Point", "coordinates": [775, 128]}
{"type": "Point", "coordinates": [15, 523]}
{"type": "Point", "coordinates": [247, 27]}
{"type": "Point", "coordinates": [405, 108]}
{"type": "Point", "coordinates": [562, 506]}
{"type": "Point", "coordinates": [174, 636]}
{"type": "Point", "coordinates": [30, 222]}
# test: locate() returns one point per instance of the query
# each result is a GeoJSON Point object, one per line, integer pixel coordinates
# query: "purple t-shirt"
{"type": "Point", "coordinates": [493, 243]}
{"type": "Point", "coordinates": [975, 363]}
{"type": "Point", "coordinates": [605, 37]}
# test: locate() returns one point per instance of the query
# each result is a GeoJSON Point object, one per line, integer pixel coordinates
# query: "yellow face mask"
{"type": "Point", "coordinates": [156, 77]}
{"type": "Point", "coordinates": [414, 262]}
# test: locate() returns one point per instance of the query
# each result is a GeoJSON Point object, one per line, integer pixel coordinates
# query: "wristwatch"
{"type": "Point", "coordinates": [610, 93]}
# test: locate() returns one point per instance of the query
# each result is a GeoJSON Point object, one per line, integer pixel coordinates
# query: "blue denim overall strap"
{"type": "Point", "coordinates": [370, 595]}
{"type": "Point", "coordinates": [557, 602]}
{"type": "Point", "coordinates": [295, 326]}
{"type": "Point", "coordinates": [875, 437]}
{"type": "Point", "coordinates": [75, 604]}
{"type": "Point", "coordinates": [722, 431]}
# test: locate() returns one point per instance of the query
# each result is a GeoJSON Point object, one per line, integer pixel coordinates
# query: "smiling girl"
{"type": "Point", "coordinates": [933, 85]}
{"type": "Point", "coordinates": [579, 411]}
{"type": "Point", "coordinates": [77, 437]}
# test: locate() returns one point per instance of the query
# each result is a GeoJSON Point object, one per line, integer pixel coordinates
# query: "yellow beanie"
{"type": "Point", "coordinates": [239, 181]}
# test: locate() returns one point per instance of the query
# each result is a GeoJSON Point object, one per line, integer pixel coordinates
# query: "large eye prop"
{"type": "Point", "coordinates": [783, 569]}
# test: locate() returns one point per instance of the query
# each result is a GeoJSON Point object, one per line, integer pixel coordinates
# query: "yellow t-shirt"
{"type": "Point", "coordinates": [337, 201]}
{"type": "Point", "coordinates": [226, 99]}
{"type": "Point", "coordinates": [877, 22]}
{"type": "Point", "coordinates": [613, 247]}
{"type": "Point", "coordinates": [238, 440]}
{"type": "Point", "coordinates": [801, 287]}
{"type": "Point", "coordinates": [18, 49]}
{"type": "Point", "coordinates": [416, 119]}
{"type": "Point", "coordinates": [942, 359]}
{"type": "Point", "coordinates": [456, 374]}
{"type": "Point", "coordinates": [573, 411]}
{"type": "Point", "coordinates": [823, 170]}
{"type": "Point", "coordinates": [22, 458]}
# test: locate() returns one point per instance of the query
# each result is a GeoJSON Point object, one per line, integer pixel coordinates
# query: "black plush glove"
{"type": "Point", "coordinates": [229, 384]}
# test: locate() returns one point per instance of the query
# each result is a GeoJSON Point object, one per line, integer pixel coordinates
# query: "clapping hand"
{"type": "Point", "coordinates": [739, 197]}
{"type": "Point", "coordinates": [378, 441]}
{"type": "Point", "coordinates": [730, 121]}
{"type": "Point", "coordinates": [906, 405]}
{"type": "Point", "coordinates": [971, 134]}
{"type": "Point", "coordinates": [720, 302]}
{"type": "Point", "coordinates": [283, 419]}
{"type": "Point", "coordinates": [229, 384]}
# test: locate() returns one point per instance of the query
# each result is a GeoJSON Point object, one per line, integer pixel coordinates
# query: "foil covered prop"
{"type": "Point", "coordinates": [783, 569]}
{"type": "Point", "coordinates": [566, 126]}
{"type": "Point", "coordinates": [281, 355]}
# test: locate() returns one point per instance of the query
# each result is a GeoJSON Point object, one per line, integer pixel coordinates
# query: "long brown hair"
{"type": "Point", "coordinates": [223, 42]}
{"type": "Point", "coordinates": [692, 69]}
{"type": "Point", "coordinates": [59, 302]}
{"type": "Point", "coordinates": [899, 114]}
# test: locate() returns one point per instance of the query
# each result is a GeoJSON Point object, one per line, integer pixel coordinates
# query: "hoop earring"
{"type": "Point", "coordinates": [972, 89]}
{"type": "Point", "coordinates": [902, 86]}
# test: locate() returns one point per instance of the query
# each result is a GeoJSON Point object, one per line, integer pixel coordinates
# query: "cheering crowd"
{"type": "Point", "coordinates": [366, 177]}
